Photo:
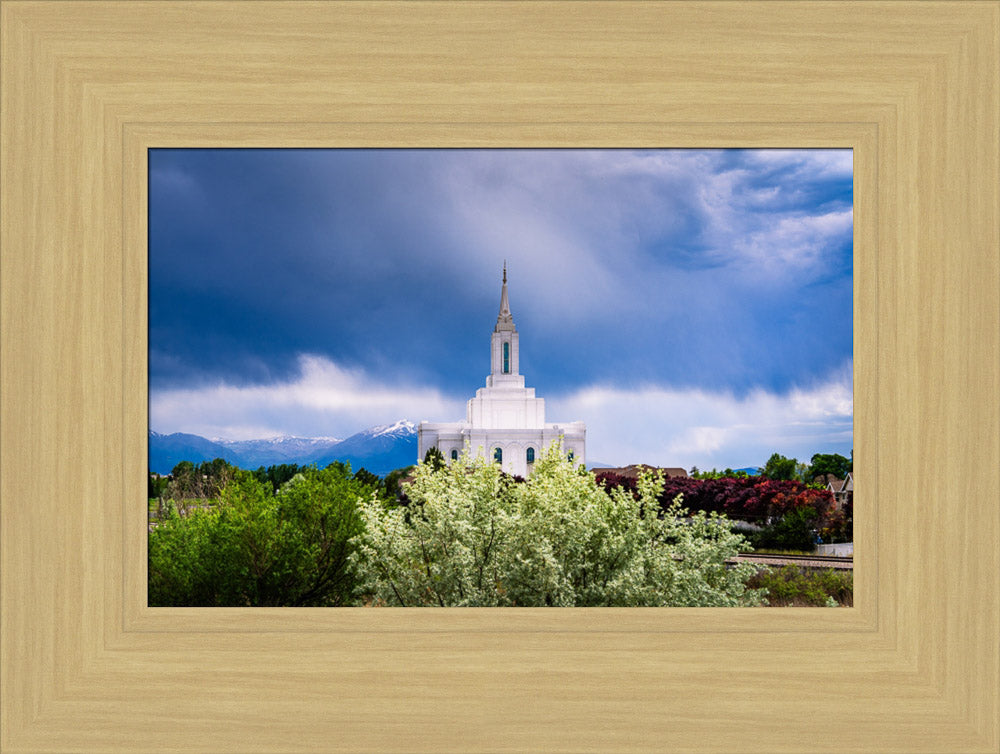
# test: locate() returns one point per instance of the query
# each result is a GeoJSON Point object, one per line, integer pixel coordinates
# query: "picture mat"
{"type": "Point", "coordinates": [913, 667]}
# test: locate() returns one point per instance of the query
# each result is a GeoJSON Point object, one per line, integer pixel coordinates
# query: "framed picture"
{"type": "Point", "coordinates": [88, 89]}
{"type": "Point", "coordinates": [322, 320]}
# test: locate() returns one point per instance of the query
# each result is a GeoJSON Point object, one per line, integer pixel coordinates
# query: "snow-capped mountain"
{"type": "Point", "coordinates": [402, 428]}
{"type": "Point", "coordinates": [166, 451]}
{"type": "Point", "coordinates": [286, 449]}
{"type": "Point", "coordinates": [379, 449]}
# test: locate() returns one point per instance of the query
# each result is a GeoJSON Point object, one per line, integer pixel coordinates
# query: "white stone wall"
{"type": "Point", "coordinates": [513, 443]}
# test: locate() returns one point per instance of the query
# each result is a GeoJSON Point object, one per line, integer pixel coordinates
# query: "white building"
{"type": "Point", "coordinates": [505, 420]}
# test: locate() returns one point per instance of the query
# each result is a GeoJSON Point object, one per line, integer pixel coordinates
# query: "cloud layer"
{"type": "Point", "coordinates": [646, 425]}
{"type": "Point", "coordinates": [322, 400]}
{"type": "Point", "coordinates": [713, 430]}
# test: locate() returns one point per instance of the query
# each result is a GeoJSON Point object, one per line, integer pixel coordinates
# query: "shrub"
{"type": "Point", "coordinates": [791, 586]}
{"type": "Point", "coordinates": [793, 531]}
{"type": "Point", "coordinates": [840, 524]}
{"type": "Point", "coordinates": [255, 547]}
{"type": "Point", "coordinates": [744, 498]}
{"type": "Point", "coordinates": [472, 536]}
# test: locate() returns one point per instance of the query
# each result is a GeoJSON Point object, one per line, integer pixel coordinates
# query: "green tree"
{"type": "Point", "coordinates": [278, 474]}
{"type": "Point", "coordinates": [366, 477]}
{"type": "Point", "coordinates": [795, 530]}
{"type": "Point", "coordinates": [157, 485]}
{"type": "Point", "coordinates": [201, 482]}
{"type": "Point", "coordinates": [392, 481]}
{"type": "Point", "coordinates": [255, 547]}
{"type": "Point", "coordinates": [472, 536]}
{"type": "Point", "coordinates": [779, 467]}
{"type": "Point", "coordinates": [434, 458]}
{"type": "Point", "coordinates": [828, 463]}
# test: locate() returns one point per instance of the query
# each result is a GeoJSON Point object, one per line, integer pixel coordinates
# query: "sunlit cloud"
{"type": "Point", "coordinates": [684, 428]}
{"type": "Point", "coordinates": [324, 400]}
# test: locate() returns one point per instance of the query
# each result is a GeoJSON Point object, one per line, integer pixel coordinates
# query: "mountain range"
{"type": "Point", "coordinates": [379, 449]}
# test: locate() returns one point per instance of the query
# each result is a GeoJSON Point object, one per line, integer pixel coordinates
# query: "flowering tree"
{"type": "Point", "coordinates": [742, 497]}
{"type": "Point", "coordinates": [471, 536]}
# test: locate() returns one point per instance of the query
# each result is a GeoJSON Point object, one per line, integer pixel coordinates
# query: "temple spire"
{"type": "Point", "coordinates": [504, 319]}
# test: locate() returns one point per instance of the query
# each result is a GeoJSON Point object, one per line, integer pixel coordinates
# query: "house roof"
{"type": "Point", "coordinates": [832, 482]}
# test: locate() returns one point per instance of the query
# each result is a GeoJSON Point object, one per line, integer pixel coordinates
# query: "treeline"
{"type": "Point", "coordinates": [204, 480]}
{"type": "Point", "coordinates": [779, 467]}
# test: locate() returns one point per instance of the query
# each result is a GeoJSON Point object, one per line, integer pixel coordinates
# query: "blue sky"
{"type": "Point", "coordinates": [692, 307]}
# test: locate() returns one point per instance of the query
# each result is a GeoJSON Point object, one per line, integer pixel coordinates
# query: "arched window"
{"type": "Point", "coordinates": [506, 358]}
{"type": "Point", "coordinates": [498, 455]}
{"type": "Point", "coordinates": [454, 455]}
{"type": "Point", "coordinates": [531, 455]}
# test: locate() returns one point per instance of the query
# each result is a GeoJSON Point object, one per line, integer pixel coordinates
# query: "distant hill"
{"type": "Point", "coordinates": [166, 451]}
{"type": "Point", "coordinates": [378, 449]}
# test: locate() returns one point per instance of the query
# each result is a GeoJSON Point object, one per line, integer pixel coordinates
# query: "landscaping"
{"type": "Point", "coordinates": [467, 534]}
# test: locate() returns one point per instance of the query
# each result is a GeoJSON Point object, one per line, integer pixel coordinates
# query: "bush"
{"type": "Point", "coordinates": [791, 586]}
{"type": "Point", "coordinates": [472, 536]}
{"type": "Point", "coordinates": [840, 525]}
{"type": "Point", "coordinates": [793, 531]}
{"type": "Point", "coordinates": [745, 498]}
{"type": "Point", "coordinates": [255, 547]}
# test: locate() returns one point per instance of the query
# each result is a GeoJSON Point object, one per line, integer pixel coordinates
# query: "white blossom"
{"type": "Point", "coordinates": [472, 536]}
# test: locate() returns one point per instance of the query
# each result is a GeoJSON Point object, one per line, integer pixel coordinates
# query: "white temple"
{"type": "Point", "coordinates": [505, 419]}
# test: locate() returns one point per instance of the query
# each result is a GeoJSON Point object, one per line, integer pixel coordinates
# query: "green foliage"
{"type": "Point", "coordinates": [255, 547]}
{"type": "Point", "coordinates": [392, 479]}
{"type": "Point", "coordinates": [715, 474]}
{"type": "Point", "coordinates": [277, 475]}
{"type": "Point", "coordinates": [779, 467]}
{"type": "Point", "coordinates": [187, 481]}
{"type": "Point", "coordinates": [795, 530]}
{"type": "Point", "coordinates": [368, 479]}
{"type": "Point", "coordinates": [434, 458]}
{"type": "Point", "coordinates": [829, 463]}
{"type": "Point", "coordinates": [794, 586]}
{"type": "Point", "coordinates": [472, 536]}
{"type": "Point", "coordinates": [157, 485]}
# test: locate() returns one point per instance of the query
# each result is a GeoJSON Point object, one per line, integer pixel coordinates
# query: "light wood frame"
{"type": "Point", "coordinates": [912, 87]}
